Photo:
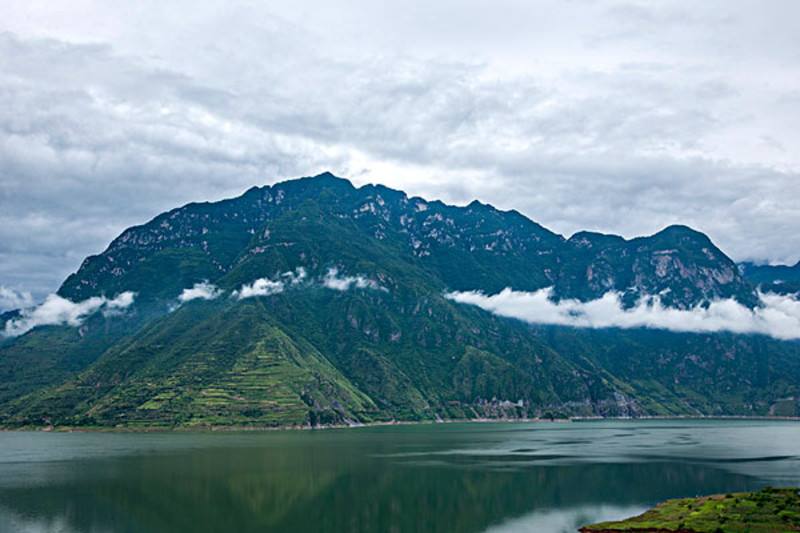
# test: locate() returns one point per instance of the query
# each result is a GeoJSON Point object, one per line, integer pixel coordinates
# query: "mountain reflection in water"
{"type": "Point", "coordinates": [448, 477]}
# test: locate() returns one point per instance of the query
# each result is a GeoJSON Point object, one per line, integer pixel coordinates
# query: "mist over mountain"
{"type": "Point", "coordinates": [781, 279]}
{"type": "Point", "coordinates": [312, 301]}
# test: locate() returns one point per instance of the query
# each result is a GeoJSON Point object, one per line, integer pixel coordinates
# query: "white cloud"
{"type": "Point", "coordinates": [202, 290]}
{"type": "Point", "coordinates": [56, 310]}
{"type": "Point", "coordinates": [13, 299]}
{"type": "Point", "coordinates": [778, 316]}
{"type": "Point", "coordinates": [122, 301]}
{"type": "Point", "coordinates": [296, 277]}
{"type": "Point", "coordinates": [260, 287]}
{"type": "Point", "coordinates": [117, 306]}
{"type": "Point", "coordinates": [333, 280]}
{"type": "Point", "coordinates": [266, 286]}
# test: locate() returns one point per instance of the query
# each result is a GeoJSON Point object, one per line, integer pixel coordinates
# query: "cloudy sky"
{"type": "Point", "coordinates": [616, 116]}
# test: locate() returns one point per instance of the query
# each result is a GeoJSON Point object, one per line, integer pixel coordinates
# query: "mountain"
{"type": "Point", "coordinates": [464, 248]}
{"type": "Point", "coordinates": [781, 279]}
{"type": "Point", "coordinates": [347, 320]}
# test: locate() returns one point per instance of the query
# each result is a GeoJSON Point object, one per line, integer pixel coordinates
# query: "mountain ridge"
{"type": "Point", "coordinates": [515, 234]}
{"type": "Point", "coordinates": [351, 324]}
{"type": "Point", "coordinates": [781, 279]}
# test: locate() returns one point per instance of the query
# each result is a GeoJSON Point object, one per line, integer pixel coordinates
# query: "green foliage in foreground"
{"type": "Point", "coordinates": [769, 510]}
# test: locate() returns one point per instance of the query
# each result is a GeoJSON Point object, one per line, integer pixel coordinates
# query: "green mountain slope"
{"type": "Point", "coordinates": [463, 248]}
{"type": "Point", "coordinates": [361, 331]}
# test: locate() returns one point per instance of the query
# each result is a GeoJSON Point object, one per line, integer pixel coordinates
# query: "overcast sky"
{"type": "Point", "coordinates": [615, 116]}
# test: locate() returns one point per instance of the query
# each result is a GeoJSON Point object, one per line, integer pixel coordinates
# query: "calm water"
{"type": "Point", "coordinates": [449, 477]}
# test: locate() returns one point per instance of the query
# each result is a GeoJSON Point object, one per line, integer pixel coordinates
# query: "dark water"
{"type": "Point", "coordinates": [448, 477]}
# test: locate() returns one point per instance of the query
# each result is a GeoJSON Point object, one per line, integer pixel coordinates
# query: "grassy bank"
{"type": "Point", "coordinates": [767, 511]}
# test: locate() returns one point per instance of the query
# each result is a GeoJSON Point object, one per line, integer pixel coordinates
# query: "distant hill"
{"type": "Point", "coordinates": [781, 279]}
{"type": "Point", "coordinates": [349, 321]}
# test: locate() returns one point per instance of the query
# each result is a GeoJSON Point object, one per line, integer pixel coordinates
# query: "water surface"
{"type": "Point", "coordinates": [542, 477]}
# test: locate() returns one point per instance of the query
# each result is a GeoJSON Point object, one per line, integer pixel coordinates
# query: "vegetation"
{"type": "Point", "coordinates": [768, 511]}
{"type": "Point", "coordinates": [312, 355]}
{"type": "Point", "coordinates": [781, 279]}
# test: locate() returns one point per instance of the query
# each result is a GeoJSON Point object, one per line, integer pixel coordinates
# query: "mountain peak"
{"type": "Point", "coordinates": [679, 231]}
{"type": "Point", "coordinates": [359, 312]}
{"type": "Point", "coordinates": [475, 247]}
{"type": "Point", "coordinates": [327, 175]}
{"type": "Point", "coordinates": [324, 179]}
{"type": "Point", "coordinates": [477, 204]}
{"type": "Point", "coordinates": [594, 238]}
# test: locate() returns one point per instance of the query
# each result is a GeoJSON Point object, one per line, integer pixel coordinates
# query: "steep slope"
{"type": "Point", "coordinates": [359, 329]}
{"type": "Point", "coordinates": [465, 248]}
{"type": "Point", "coordinates": [203, 364]}
{"type": "Point", "coordinates": [681, 265]}
{"type": "Point", "coordinates": [313, 355]}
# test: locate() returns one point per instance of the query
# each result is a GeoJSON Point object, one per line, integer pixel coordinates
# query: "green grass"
{"type": "Point", "coordinates": [769, 510]}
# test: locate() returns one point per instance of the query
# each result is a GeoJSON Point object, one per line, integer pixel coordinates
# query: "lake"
{"type": "Point", "coordinates": [472, 477]}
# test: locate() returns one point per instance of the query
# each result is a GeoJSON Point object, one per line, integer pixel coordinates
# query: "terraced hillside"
{"type": "Point", "coordinates": [325, 303]}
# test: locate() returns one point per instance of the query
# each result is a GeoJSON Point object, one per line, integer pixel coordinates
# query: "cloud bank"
{"type": "Point", "coordinates": [56, 310]}
{"type": "Point", "coordinates": [778, 316]}
{"type": "Point", "coordinates": [202, 290]}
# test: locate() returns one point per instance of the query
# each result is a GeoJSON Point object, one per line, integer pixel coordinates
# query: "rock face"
{"type": "Point", "coordinates": [475, 247]}
{"type": "Point", "coordinates": [348, 322]}
{"type": "Point", "coordinates": [681, 265]}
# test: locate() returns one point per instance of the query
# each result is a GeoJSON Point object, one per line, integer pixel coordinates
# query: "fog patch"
{"type": "Point", "coordinates": [332, 280]}
{"type": "Point", "coordinates": [296, 277]}
{"type": "Point", "coordinates": [267, 286]}
{"type": "Point", "coordinates": [260, 287]}
{"type": "Point", "coordinates": [56, 310]}
{"type": "Point", "coordinates": [201, 291]}
{"type": "Point", "coordinates": [777, 315]}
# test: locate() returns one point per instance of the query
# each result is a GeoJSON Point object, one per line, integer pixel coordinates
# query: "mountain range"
{"type": "Point", "coordinates": [315, 302]}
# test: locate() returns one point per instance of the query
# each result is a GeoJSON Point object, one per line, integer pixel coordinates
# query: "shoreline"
{"type": "Point", "coordinates": [233, 429]}
{"type": "Point", "coordinates": [683, 417]}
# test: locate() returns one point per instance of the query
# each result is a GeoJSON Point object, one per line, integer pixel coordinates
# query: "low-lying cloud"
{"type": "Point", "coordinates": [56, 310]}
{"type": "Point", "coordinates": [332, 280]}
{"type": "Point", "coordinates": [202, 291]}
{"type": "Point", "coordinates": [293, 278]}
{"type": "Point", "coordinates": [260, 287]}
{"type": "Point", "coordinates": [266, 286]}
{"type": "Point", "coordinates": [778, 315]}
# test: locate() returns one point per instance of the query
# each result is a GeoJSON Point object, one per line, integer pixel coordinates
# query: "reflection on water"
{"type": "Point", "coordinates": [451, 477]}
{"type": "Point", "coordinates": [565, 520]}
